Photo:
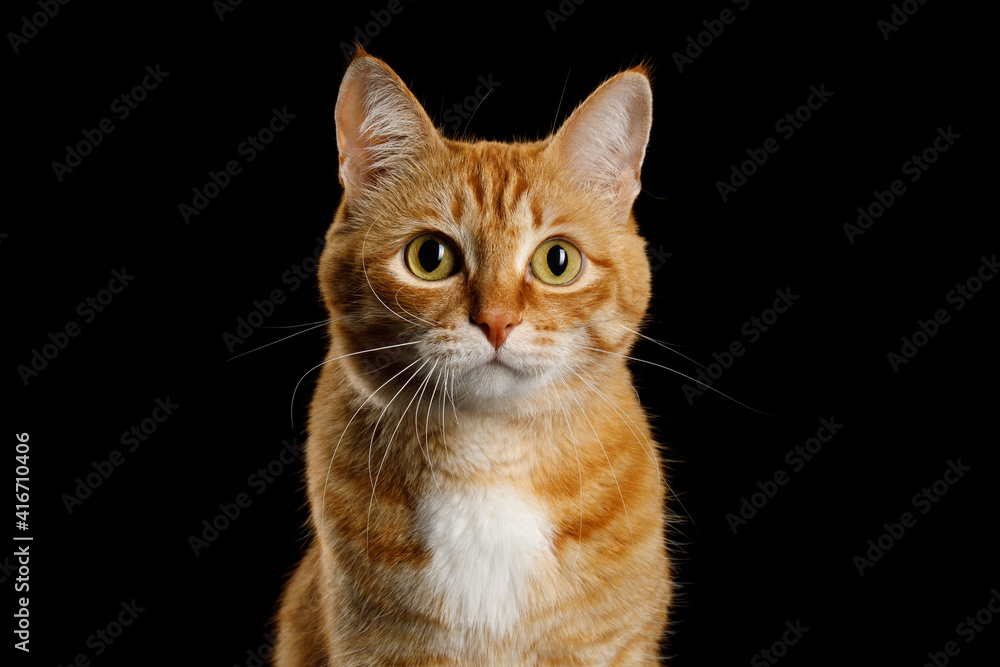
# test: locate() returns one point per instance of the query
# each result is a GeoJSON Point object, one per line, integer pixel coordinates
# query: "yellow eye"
{"type": "Point", "coordinates": [431, 257]}
{"type": "Point", "coordinates": [556, 262]}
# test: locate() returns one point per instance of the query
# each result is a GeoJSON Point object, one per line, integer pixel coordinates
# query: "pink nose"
{"type": "Point", "coordinates": [496, 326]}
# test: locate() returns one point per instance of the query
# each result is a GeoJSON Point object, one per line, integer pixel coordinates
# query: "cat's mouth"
{"type": "Point", "coordinates": [497, 364]}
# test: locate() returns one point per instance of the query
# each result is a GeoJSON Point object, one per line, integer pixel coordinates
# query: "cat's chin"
{"type": "Point", "coordinates": [496, 384]}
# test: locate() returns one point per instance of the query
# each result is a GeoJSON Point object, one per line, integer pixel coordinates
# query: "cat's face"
{"type": "Point", "coordinates": [499, 269]}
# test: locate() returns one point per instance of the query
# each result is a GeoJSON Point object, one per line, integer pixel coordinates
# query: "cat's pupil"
{"type": "Point", "coordinates": [557, 260]}
{"type": "Point", "coordinates": [430, 255]}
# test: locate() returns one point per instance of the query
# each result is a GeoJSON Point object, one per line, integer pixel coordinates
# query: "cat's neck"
{"type": "Point", "coordinates": [469, 442]}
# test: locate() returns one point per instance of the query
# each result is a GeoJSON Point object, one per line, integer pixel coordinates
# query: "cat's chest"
{"type": "Point", "coordinates": [486, 546]}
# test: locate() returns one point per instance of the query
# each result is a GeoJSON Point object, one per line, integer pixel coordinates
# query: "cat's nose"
{"type": "Point", "coordinates": [496, 326]}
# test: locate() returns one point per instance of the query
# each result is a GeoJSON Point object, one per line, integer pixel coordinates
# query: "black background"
{"type": "Point", "coordinates": [162, 336]}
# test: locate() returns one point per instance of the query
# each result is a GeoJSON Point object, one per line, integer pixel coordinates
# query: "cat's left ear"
{"type": "Point", "coordinates": [602, 144]}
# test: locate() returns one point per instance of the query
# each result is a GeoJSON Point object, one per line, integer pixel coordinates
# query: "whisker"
{"type": "Point", "coordinates": [579, 467]}
{"type": "Point", "coordinates": [594, 324]}
{"type": "Point", "coordinates": [379, 419]}
{"type": "Point", "coordinates": [451, 395]}
{"type": "Point", "coordinates": [476, 109]}
{"type": "Point", "coordinates": [649, 454]}
{"type": "Point", "coordinates": [395, 430]}
{"type": "Point", "coordinates": [623, 416]}
{"type": "Point", "coordinates": [444, 440]}
{"type": "Point", "coordinates": [373, 501]}
{"type": "Point", "coordinates": [337, 447]}
{"type": "Point", "coordinates": [610, 467]}
{"type": "Point", "coordinates": [416, 426]}
{"type": "Point", "coordinates": [627, 381]}
{"type": "Point", "coordinates": [291, 408]}
{"type": "Point", "coordinates": [364, 269]}
{"type": "Point", "coordinates": [374, 498]}
{"type": "Point", "coordinates": [559, 106]}
{"type": "Point", "coordinates": [698, 382]}
{"type": "Point", "coordinates": [430, 404]}
{"type": "Point", "coordinates": [279, 340]}
{"type": "Point", "coordinates": [664, 346]}
{"type": "Point", "coordinates": [306, 324]}
{"type": "Point", "coordinates": [433, 324]}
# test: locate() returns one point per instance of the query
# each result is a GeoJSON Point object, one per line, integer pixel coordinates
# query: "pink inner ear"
{"type": "Point", "coordinates": [381, 128]}
{"type": "Point", "coordinates": [603, 142]}
{"type": "Point", "coordinates": [354, 156]}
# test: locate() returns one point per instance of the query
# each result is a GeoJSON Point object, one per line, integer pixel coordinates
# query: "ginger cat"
{"type": "Point", "coordinates": [491, 496]}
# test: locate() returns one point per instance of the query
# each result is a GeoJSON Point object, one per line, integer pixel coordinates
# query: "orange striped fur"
{"type": "Point", "coordinates": [474, 505]}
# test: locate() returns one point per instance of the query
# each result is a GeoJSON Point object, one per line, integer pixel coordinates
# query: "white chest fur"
{"type": "Point", "coordinates": [485, 545]}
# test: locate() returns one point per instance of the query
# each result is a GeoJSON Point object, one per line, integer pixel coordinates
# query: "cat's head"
{"type": "Point", "coordinates": [494, 266]}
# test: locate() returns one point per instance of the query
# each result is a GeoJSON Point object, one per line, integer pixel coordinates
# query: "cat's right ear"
{"type": "Point", "coordinates": [381, 127]}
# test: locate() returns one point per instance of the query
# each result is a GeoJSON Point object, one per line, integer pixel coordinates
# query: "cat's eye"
{"type": "Point", "coordinates": [556, 262]}
{"type": "Point", "coordinates": [431, 257]}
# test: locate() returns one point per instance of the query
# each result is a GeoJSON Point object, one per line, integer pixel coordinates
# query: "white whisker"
{"type": "Point", "coordinates": [364, 269]}
{"type": "Point", "coordinates": [431, 324]}
{"type": "Point", "coordinates": [579, 466]}
{"type": "Point", "coordinates": [649, 454]}
{"type": "Point", "coordinates": [395, 430]}
{"type": "Point", "coordinates": [430, 404]}
{"type": "Point", "coordinates": [610, 467]}
{"type": "Point", "coordinates": [444, 387]}
{"type": "Point", "coordinates": [304, 324]}
{"type": "Point", "coordinates": [451, 395]}
{"type": "Point", "coordinates": [374, 497]}
{"type": "Point", "coordinates": [416, 426]}
{"type": "Point", "coordinates": [379, 419]}
{"type": "Point", "coordinates": [343, 433]}
{"type": "Point", "coordinates": [374, 349]}
{"type": "Point", "coordinates": [667, 368]}
{"type": "Point", "coordinates": [559, 106]}
{"type": "Point", "coordinates": [279, 340]}
{"type": "Point", "coordinates": [594, 324]}
{"type": "Point", "coordinates": [664, 346]}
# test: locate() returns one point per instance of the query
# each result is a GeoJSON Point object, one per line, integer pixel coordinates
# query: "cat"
{"type": "Point", "coordinates": [489, 492]}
